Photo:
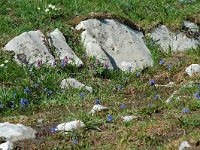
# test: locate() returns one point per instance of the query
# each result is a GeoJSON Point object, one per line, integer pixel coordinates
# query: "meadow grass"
{"type": "Point", "coordinates": [158, 126]}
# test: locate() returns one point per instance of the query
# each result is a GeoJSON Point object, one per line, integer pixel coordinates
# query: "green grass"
{"type": "Point", "coordinates": [159, 125]}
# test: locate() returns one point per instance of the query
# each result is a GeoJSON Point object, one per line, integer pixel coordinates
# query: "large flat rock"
{"type": "Point", "coordinates": [30, 48]}
{"type": "Point", "coordinates": [16, 132]}
{"type": "Point", "coordinates": [168, 40]}
{"type": "Point", "coordinates": [62, 49]}
{"type": "Point", "coordinates": [115, 44]}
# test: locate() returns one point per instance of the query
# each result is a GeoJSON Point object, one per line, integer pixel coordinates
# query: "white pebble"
{"type": "Point", "coordinates": [194, 68]}
{"type": "Point", "coordinates": [128, 118]}
{"type": "Point", "coordinates": [70, 126]}
{"type": "Point", "coordinates": [97, 108]}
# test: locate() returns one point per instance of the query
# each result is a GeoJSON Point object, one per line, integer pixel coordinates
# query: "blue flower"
{"type": "Point", "coordinates": [152, 82]}
{"type": "Point", "coordinates": [122, 106]}
{"type": "Point", "coordinates": [97, 101]}
{"type": "Point", "coordinates": [12, 104]}
{"type": "Point", "coordinates": [156, 97]}
{"type": "Point", "coordinates": [169, 67]}
{"type": "Point", "coordinates": [138, 74]}
{"type": "Point", "coordinates": [196, 95]}
{"type": "Point", "coordinates": [75, 141]}
{"type": "Point", "coordinates": [64, 62]}
{"type": "Point", "coordinates": [81, 94]}
{"type": "Point", "coordinates": [110, 118]}
{"type": "Point", "coordinates": [161, 62]}
{"type": "Point", "coordinates": [24, 102]}
{"type": "Point", "coordinates": [150, 105]}
{"type": "Point", "coordinates": [53, 130]}
{"type": "Point", "coordinates": [27, 91]}
{"type": "Point", "coordinates": [185, 110]}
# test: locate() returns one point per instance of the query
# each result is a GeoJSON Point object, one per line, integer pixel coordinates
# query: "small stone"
{"type": "Point", "coordinates": [128, 118]}
{"type": "Point", "coordinates": [184, 145]}
{"type": "Point", "coordinates": [97, 108]}
{"type": "Point", "coordinates": [71, 82]}
{"type": "Point", "coordinates": [190, 26]}
{"type": "Point", "coordinates": [193, 69]}
{"type": "Point", "coordinates": [6, 146]}
{"type": "Point", "coordinates": [70, 126]}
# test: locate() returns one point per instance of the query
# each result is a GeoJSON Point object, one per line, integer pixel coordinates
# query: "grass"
{"type": "Point", "coordinates": [159, 125]}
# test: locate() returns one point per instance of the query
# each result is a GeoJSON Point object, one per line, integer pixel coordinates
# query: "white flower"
{"type": "Point", "coordinates": [51, 6]}
{"type": "Point", "coordinates": [46, 10]}
{"type": "Point", "coordinates": [2, 65]}
{"type": "Point", "coordinates": [38, 8]}
{"type": "Point", "coordinates": [6, 61]}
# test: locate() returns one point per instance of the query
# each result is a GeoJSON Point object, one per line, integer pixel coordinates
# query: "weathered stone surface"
{"type": "Point", "coordinates": [62, 49]}
{"type": "Point", "coordinates": [115, 44]}
{"type": "Point", "coordinates": [128, 118]}
{"type": "Point", "coordinates": [190, 26]}
{"type": "Point", "coordinates": [97, 108]}
{"type": "Point", "coordinates": [6, 146]}
{"type": "Point", "coordinates": [192, 69]}
{"type": "Point", "coordinates": [70, 126]}
{"type": "Point", "coordinates": [16, 132]}
{"type": "Point", "coordinates": [71, 82]}
{"type": "Point", "coordinates": [174, 41]}
{"type": "Point", "coordinates": [30, 48]}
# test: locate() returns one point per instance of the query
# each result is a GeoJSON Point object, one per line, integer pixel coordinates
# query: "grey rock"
{"type": "Point", "coordinates": [73, 83]}
{"type": "Point", "coordinates": [174, 41]}
{"type": "Point", "coordinates": [30, 48]}
{"type": "Point", "coordinates": [62, 49]}
{"type": "Point", "coordinates": [16, 132]}
{"type": "Point", "coordinates": [190, 26]}
{"type": "Point", "coordinates": [115, 44]}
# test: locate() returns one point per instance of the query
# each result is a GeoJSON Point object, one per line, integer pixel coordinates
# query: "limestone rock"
{"type": "Point", "coordinates": [30, 48]}
{"type": "Point", "coordinates": [71, 82]}
{"type": "Point", "coordinates": [192, 69]}
{"type": "Point", "coordinates": [97, 108]}
{"type": "Point", "coordinates": [15, 132]}
{"type": "Point", "coordinates": [184, 145]}
{"type": "Point", "coordinates": [62, 49]}
{"type": "Point", "coordinates": [174, 41]}
{"type": "Point", "coordinates": [190, 26]}
{"type": "Point", "coordinates": [70, 126]}
{"type": "Point", "coordinates": [128, 118]}
{"type": "Point", "coordinates": [115, 44]}
{"type": "Point", "coordinates": [6, 146]}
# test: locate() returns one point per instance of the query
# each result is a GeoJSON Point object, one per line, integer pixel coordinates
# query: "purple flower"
{"type": "Point", "coordinates": [53, 130]}
{"type": "Point", "coordinates": [138, 74]}
{"type": "Point", "coordinates": [97, 101]}
{"type": "Point", "coordinates": [122, 106]}
{"type": "Point", "coordinates": [152, 82]}
{"type": "Point", "coordinates": [110, 118]}
{"type": "Point", "coordinates": [64, 62]}
{"type": "Point", "coordinates": [156, 97]}
{"type": "Point", "coordinates": [150, 105]}
{"type": "Point", "coordinates": [106, 65]}
{"type": "Point", "coordinates": [81, 94]}
{"type": "Point", "coordinates": [24, 102]}
{"type": "Point", "coordinates": [75, 141]}
{"type": "Point", "coordinates": [169, 67]}
{"type": "Point", "coordinates": [27, 91]}
{"type": "Point", "coordinates": [196, 95]}
{"type": "Point", "coordinates": [161, 62]}
{"type": "Point", "coordinates": [185, 110]}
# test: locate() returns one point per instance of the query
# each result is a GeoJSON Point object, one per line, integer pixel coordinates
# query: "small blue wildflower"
{"type": "Point", "coordinates": [12, 104]}
{"type": "Point", "coordinates": [81, 94]}
{"type": "Point", "coordinates": [53, 130]}
{"type": "Point", "coordinates": [27, 90]}
{"type": "Point", "coordinates": [49, 93]}
{"type": "Point", "coordinates": [119, 87]}
{"type": "Point", "coordinates": [169, 67]}
{"type": "Point", "coordinates": [24, 102]}
{"type": "Point", "coordinates": [97, 101]}
{"type": "Point", "coordinates": [122, 106]}
{"type": "Point", "coordinates": [156, 97]}
{"type": "Point", "coordinates": [152, 82]}
{"type": "Point", "coordinates": [138, 74]}
{"type": "Point", "coordinates": [196, 95]}
{"type": "Point", "coordinates": [75, 141]}
{"type": "Point", "coordinates": [110, 118]}
{"type": "Point", "coordinates": [64, 62]}
{"type": "Point", "coordinates": [185, 110]}
{"type": "Point", "coordinates": [150, 105]}
{"type": "Point", "coordinates": [161, 62]}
